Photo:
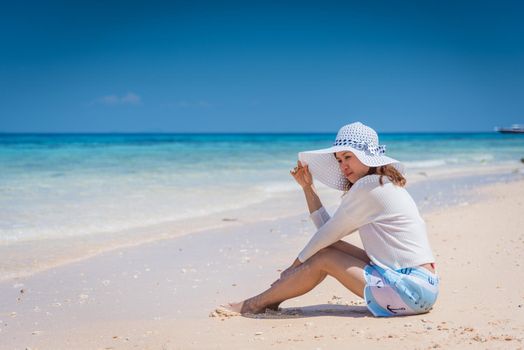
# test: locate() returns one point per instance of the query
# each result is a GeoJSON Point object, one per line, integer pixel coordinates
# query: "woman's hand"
{"type": "Point", "coordinates": [302, 175]}
{"type": "Point", "coordinates": [289, 271]}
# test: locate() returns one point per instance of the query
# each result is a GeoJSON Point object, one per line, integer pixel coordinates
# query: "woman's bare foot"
{"type": "Point", "coordinates": [234, 307]}
{"type": "Point", "coordinates": [243, 307]}
{"type": "Point", "coordinates": [228, 310]}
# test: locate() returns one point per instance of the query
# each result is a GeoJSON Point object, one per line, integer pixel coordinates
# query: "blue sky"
{"type": "Point", "coordinates": [260, 66]}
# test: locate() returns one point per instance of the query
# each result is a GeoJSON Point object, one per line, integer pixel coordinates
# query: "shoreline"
{"type": "Point", "coordinates": [160, 294]}
{"type": "Point", "coordinates": [58, 252]}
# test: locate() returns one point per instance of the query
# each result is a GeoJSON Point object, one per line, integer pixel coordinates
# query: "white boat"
{"type": "Point", "coordinates": [515, 129]}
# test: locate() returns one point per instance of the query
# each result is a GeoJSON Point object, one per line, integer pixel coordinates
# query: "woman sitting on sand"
{"type": "Point", "coordinates": [395, 272]}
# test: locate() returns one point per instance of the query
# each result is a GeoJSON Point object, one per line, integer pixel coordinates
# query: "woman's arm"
{"type": "Point", "coordinates": [303, 177]}
{"type": "Point", "coordinates": [357, 209]}
{"type": "Point", "coordinates": [312, 199]}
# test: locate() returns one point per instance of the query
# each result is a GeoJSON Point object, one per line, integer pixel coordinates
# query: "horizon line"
{"type": "Point", "coordinates": [226, 132]}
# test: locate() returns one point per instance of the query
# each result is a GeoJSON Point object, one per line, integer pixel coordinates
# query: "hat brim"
{"type": "Point", "coordinates": [324, 166]}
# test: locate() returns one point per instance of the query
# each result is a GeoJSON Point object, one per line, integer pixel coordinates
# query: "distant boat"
{"type": "Point", "coordinates": [515, 129]}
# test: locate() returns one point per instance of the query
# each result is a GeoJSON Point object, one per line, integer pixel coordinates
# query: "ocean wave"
{"type": "Point", "coordinates": [432, 163]}
{"type": "Point", "coordinates": [482, 158]}
{"type": "Point", "coordinates": [44, 217]}
{"type": "Point", "coordinates": [458, 159]}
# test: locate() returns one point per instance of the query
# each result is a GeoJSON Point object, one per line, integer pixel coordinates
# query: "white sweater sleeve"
{"type": "Point", "coordinates": [357, 209]}
{"type": "Point", "coordinates": [320, 217]}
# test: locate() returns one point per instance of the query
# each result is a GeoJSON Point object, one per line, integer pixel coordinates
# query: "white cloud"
{"type": "Point", "coordinates": [131, 99]}
{"type": "Point", "coordinates": [114, 100]}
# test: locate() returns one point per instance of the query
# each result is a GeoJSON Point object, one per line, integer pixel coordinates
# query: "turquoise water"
{"type": "Point", "coordinates": [54, 186]}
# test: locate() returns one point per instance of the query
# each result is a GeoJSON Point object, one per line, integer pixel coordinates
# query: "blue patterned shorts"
{"type": "Point", "coordinates": [407, 291]}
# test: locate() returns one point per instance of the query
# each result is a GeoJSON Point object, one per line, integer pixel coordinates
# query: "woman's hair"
{"type": "Point", "coordinates": [385, 170]}
{"type": "Point", "coordinates": [391, 172]}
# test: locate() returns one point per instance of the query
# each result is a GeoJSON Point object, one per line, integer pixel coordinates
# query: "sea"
{"type": "Point", "coordinates": [54, 186]}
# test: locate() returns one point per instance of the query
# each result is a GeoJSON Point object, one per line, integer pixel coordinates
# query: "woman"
{"type": "Point", "coordinates": [395, 271]}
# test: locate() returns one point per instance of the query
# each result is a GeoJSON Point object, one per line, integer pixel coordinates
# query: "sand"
{"type": "Point", "coordinates": [159, 295]}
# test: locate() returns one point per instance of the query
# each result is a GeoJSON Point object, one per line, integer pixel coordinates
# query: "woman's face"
{"type": "Point", "coordinates": [351, 166]}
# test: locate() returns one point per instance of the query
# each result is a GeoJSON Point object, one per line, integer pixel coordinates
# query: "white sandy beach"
{"type": "Point", "coordinates": [159, 295]}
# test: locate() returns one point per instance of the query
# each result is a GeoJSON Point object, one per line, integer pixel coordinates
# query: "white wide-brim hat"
{"type": "Point", "coordinates": [355, 137]}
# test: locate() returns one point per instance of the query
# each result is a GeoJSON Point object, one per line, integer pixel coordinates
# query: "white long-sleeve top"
{"type": "Point", "coordinates": [391, 229]}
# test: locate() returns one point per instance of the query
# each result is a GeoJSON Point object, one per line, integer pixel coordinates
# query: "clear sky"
{"type": "Point", "coordinates": [260, 66]}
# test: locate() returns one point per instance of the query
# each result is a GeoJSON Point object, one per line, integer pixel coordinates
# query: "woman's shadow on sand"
{"type": "Point", "coordinates": [314, 311]}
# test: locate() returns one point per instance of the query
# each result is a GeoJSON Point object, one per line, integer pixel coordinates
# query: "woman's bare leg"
{"type": "Point", "coordinates": [345, 247]}
{"type": "Point", "coordinates": [329, 261]}
{"type": "Point", "coordinates": [351, 249]}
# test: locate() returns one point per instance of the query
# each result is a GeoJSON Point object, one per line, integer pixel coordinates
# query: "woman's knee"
{"type": "Point", "coordinates": [322, 259]}
{"type": "Point", "coordinates": [332, 261]}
